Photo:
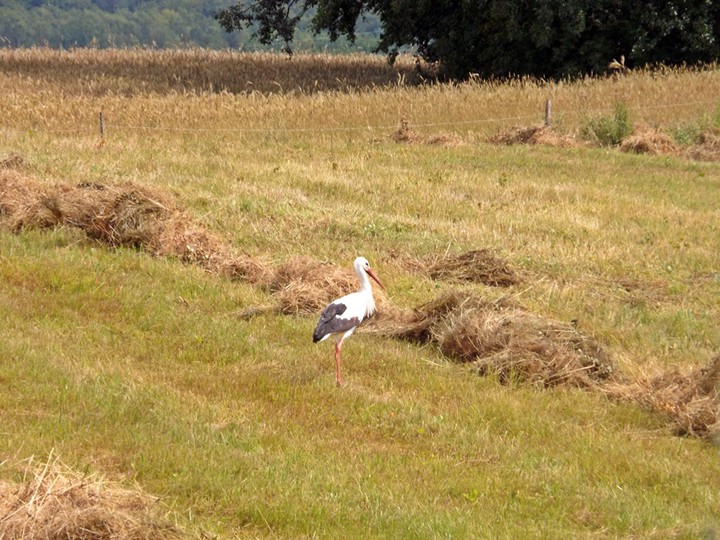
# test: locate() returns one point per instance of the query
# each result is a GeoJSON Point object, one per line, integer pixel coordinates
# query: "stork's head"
{"type": "Point", "coordinates": [361, 264]}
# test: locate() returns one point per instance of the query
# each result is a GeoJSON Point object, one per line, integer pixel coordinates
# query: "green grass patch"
{"type": "Point", "coordinates": [140, 367]}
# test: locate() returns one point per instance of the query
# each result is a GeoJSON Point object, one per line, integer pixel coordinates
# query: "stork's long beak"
{"type": "Point", "coordinates": [372, 275]}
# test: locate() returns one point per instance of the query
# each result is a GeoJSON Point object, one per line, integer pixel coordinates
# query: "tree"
{"type": "Point", "coordinates": [544, 38]}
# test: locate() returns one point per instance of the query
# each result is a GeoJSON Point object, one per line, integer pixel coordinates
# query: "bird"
{"type": "Point", "coordinates": [342, 316]}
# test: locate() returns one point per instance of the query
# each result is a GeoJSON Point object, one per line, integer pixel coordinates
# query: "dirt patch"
{"type": "Point", "coordinates": [54, 501]}
{"type": "Point", "coordinates": [503, 339]}
{"type": "Point", "coordinates": [537, 134]}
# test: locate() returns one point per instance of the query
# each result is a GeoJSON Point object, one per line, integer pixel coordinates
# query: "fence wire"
{"type": "Point", "coordinates": [496, 120]}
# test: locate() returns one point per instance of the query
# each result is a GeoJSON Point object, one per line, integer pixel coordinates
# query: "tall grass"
{"type": "Point", "coordinates": [98, 72]}
{"type": "Point", "coordinates": [241, 92]}
{"type": "Point", "coordinates": [142, 369]}
{"type": "Point", "coordinates": [610, 129]}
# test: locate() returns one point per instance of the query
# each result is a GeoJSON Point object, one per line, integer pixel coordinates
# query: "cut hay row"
{"type": "Point", "coordinates": [643, 140]}
{"type": "Point", "coordinates": [503, 339]}
{"type": "Point", "coordinates": [405, 134]}
{"type": "Point", "coordinates": [499, 338]}
{"type": "Point", "coordinates": [56, 502]}
{"type": "Point", "coordinates": [132, 215]}
{"type": "Point", "coordinates": [536, 134]}
{"type": "Point", "coordinates": [125, 215]}
{"type": "Point", "coordinates": [480, 266]}
{"type": "Point", "coordinates": [690, 401]}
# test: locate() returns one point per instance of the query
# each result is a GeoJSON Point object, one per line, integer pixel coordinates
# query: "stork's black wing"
{"type": "Point", "coordinates": [332, 322]}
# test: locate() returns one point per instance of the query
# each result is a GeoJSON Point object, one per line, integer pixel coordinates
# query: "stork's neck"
{"type": "Point", "coordinates": [365, 286]}
{"type": "Point", "coordinates": [366, 290]}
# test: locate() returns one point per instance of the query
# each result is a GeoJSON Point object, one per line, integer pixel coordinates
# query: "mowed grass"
{"type": "Point", "coordinates": [140, 367]}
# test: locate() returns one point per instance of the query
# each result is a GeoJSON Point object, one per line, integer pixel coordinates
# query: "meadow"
{"type": "Point", "coordinates": [142, 368]}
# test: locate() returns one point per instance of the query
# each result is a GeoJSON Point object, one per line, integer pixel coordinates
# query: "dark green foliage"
{"type": "Point", "coordinates": [157, 23]}
{"type": "Point", "coordinates": [549, 38]}
{"type": "Point", "coordinates": [609, 130]}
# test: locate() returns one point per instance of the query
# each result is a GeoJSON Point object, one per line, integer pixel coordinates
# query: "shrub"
{"type": "Point", "coordinates": [609, 130]}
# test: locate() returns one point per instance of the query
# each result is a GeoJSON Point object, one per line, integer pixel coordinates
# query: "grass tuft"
{"type": "Point", "coordinates": [609, 130]}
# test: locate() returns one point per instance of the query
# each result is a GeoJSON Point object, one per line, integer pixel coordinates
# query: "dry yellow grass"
{"type": "Point", "coordinates": [56, 502]}
{"type": "Point", "coordinates": [240, 93]}
{"type": "Point", "coordinates": [127, 72]}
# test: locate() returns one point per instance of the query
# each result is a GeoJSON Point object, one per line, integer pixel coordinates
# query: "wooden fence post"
{"type": "Point", "coordinates": [548, 111]}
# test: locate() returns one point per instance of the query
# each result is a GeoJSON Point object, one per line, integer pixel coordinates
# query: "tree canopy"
{"type": "Point", "coordinates": [157, 23]}
{"type": "Point", "coordinates": [543, 38]}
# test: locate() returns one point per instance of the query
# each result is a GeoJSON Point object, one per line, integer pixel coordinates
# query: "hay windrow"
{"type": "Point", "coordinates": [643, 140]}
{"type": "Point", "coordinates": [647, 140]}
{"type": "Point", "coordinates": [406, 134]}
{"type": "Point", "coordinates": [691, 402]}
{"type": "Point", "coordinates": [501, 338]}
{"type": "Point", "coordinates": [707, 148]}
{"type": "Point", "coordinates": [56, 502]}
{"type": "Point", "coordinates": [128, 215]}
{"type": "Point", "coordinates": [137, 216]}
{"type": "Point", "coordinates": [537, 134]}
{"type": "Point", "coordinates": [13, 161]}
{"type": "Point", "coordinates": [305, 285]}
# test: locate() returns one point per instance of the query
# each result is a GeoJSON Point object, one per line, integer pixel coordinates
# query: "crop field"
{"type": "Point", "coordinates": [545, 361]}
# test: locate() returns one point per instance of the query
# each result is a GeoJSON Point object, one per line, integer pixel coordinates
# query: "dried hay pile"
{"type": "Point", "coordinates": [504, 339]}
{"type": "Point", "coordinates": [405, 134]}
{"type": "Point", "coordinates": [55, 502]}
{"type": "Point", "coordinates": [647, 140]}
{"type": "Point", "coordinates": [305, 285]}
{"type": "Point", "coordinates": [476, 266]}
{"type": "Point", "coordinates": [123, 215]}
{"type": "Point", "coordinates": [707, 148]}
{"type": "Point", "coordinates": [692, 401]}
{"type": "Point", "coordinates": [137, 216]}
{"type": "Point", "coordinates": [537, 134]}
{"type": "Point", "coordinates": [13, 161]}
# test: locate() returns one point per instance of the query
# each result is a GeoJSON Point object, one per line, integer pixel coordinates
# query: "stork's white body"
{"type": "Point", "coordinates": [342, 316]}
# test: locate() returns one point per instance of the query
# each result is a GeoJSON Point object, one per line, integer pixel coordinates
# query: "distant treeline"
{"type": "Point", "coordinates": [156, 23]}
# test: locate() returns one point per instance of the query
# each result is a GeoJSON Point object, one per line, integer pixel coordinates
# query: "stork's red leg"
{"type": "Point", "coordinates": [337, 362]}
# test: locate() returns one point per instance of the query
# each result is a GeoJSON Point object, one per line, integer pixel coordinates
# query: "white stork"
{"type": "Point", "coordinates": [342, 316]}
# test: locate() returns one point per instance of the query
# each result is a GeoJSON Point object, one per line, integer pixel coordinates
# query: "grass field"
{"type": "Point", "coordinates": [140, 368]}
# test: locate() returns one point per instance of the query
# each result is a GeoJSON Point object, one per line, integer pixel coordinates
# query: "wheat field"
{"type": "Point", "coordinates": [142, 364]}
